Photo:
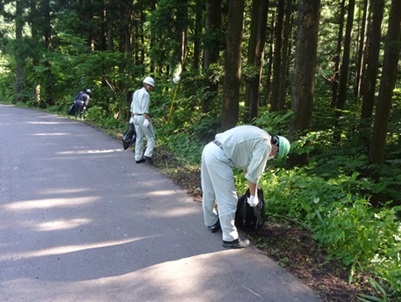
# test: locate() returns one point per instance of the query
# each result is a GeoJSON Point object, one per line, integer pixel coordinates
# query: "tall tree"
{"type": "Point", "coordinates": [344, 72]}
{"type": "Point", "coordinates": [125, 25]}
{"type": "Point", "coordinates": [387, 84]}
{"type": "Point", "coordinates": [199, 8]}
{"type": "Point", "coordinates": [337, 56]}
{"type": "Point", "coordinates": [369, 73]}
{"type": "Point", "coordinates": [86, 14]}
{"type": "Point", "coordinates": [232, 66]}
{"type": "Point", "coordinates": [19, 52]}
{"type": "Point", "coordinates": [47, 33]}
{"type": "Point", "coordinates": [181, 29]}
{"type": "Point", "coordinates": [212, 43]}
{"type": "Point", "coordinates": [277, 56]}
{"type": "Point", "coordinates": [255, 55]}
{"type": "Point", "coordinates": [284, 64]}
{"type": "Point", "coordinates": [269, 60]}
{"type": "Point", "coordinates": [362, 21]}
{"type": "Point", "coordinates": [304, 72]}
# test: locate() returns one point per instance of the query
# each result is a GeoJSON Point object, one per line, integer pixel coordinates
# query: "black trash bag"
{"type": "Point", "coordinates": [129, 136]}
{"type": "Point", "coordinates": [250, 218]}
{"type": "Point", "coordinates": [71, 110]}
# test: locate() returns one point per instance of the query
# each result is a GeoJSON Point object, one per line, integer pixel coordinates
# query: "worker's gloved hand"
{"type": "Point", "coordinates": [131, 120]}
{"type": "Point", "coordinates": [176, 79]}
{"type": "Point", "coordinates": [252, 200]}
{"type": "Point", "coordinates": [146, 122]}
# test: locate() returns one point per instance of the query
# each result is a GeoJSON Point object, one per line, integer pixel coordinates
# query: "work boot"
{"type": "Point", "coordinates": [236, 244]}
{"type": "Point", "coordinates": [214, 228]}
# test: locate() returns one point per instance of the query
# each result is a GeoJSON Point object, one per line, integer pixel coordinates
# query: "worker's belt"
{"type": "Point", "coordinates": [218, 144]}
{"type": "Point", "coordinates": [138, 113]}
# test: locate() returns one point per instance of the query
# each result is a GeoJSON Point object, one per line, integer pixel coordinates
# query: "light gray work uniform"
{"type": "Point", "coordinates": [243, 147]}
{"type": "Point", "coordinates": [140, 105]}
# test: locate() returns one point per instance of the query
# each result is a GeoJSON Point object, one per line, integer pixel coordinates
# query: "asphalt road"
{"type": "Point", "coordinates": [80, 221]}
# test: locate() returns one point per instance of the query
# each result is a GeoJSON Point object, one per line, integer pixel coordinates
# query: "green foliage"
{"type": "Point", "coordinates": [189, 127]}
{"type": "Point", "coordinates": [274, 122]}
{"type": "Point", "coordinates": [6, 82]}
{"type": "Point", "coordinates": [345, 224]}
{"type": "Point", "coordinates": [382, 293]}
{"type": "Point", "coordinates": [166, 22]}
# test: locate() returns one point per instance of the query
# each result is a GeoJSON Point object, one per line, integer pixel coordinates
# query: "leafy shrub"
{"type": "Point", "coordinates": [351, 230]}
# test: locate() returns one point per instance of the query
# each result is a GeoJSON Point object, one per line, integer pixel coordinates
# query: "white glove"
{"type": "Point", "coordinates": [146, 122]}
{"type": "Point", "coordinates": [176, 79]}
{"type": "Point", "coordinates": [131, 120]}
{"type": "Point", "coordinates": [252, 200]}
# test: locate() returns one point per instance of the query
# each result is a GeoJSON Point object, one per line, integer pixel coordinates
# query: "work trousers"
{"type": "Point", "coordinates": [217, 179]}
{"type": "Point", "coordinates": [79, 109]}
{"type": "Point", "coordinates": [141, 133]}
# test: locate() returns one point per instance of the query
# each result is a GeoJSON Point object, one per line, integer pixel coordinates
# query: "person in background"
{"type": "Point", "coordinates": [81, 102]}
{"type": "Point", "coordinates": [244, 147]}
{"type": "Point", "coordinates": [140, 117]}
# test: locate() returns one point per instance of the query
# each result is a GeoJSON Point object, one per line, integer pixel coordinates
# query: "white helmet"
{"type": "Point", "coordinates": [149, 81]}
{"type": "Point", "coordinates": [88, 91]}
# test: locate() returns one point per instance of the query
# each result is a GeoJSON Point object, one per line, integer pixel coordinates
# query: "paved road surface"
{"type": "Point", "coordinates": [80, 221]}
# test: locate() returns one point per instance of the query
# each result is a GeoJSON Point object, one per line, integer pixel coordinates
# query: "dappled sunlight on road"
{"type": "Point", "coordinates": [63, 191]}
{"type": "Point", "coordinates": [62, 224]}
{"type": "Point", "coordinates": [188, 277]}
{"type": "Point", "coordinates": [51, 134]}
{"type": "Point", "coordinates": [90, 151]}
{"type": "Point", "coordinates": [174, 212]}
{"type": "Point", "coordinates": [65, 249]}
{"type": "Point", "coordinates": [47, 203]}
{"type": "Point", "coordinates": [44, 123]}
{"type": "Point", "coordinates": [162, 192]}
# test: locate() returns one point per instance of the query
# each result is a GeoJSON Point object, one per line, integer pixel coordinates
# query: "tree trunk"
{"type": "Point", "coordinates": [128, 28]}
{"type": "Point", "coordinates": [199, 8]}
{"type": "Point", "coordinates": [212, 45]}
{"type": "Point", "coordinates": [255, 55]}
{"type": "Point", "coordinates": [49, 79]}
{"type": "Point", "coordinates": [362, 43]}
{"type": "Point", "coordinates": [284, 64]}
{"type": "Point", "coordinates": [109, 30]}
{"type": "Point", "coordinates": [36, 32]}
{"type": "Point", "coordinates": [344, 70]}
{"type": "Point", "coordinates": [18, 53]}
{"type": "Point", "coordinates": [369, 75]}
{"type": "Point", "coordinates": [277, 56]}
{"type": "Point", "coordinates": [232, 66]}
{"type": "Point", "coordinates": [387, 84]}
{"type": "Point", "coordinates": [269, 65]}
{"type": "Point", "coordinates": [181, 27]}
{"type": "Point", "coordinates": [304, 73]}
{"type": "Point", "coordinates": [337, 57]}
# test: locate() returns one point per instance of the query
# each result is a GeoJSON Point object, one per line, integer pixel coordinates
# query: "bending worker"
{"type": "Point", "coordinates": [244, 147]}
{"type": "Point", "coordinates": [81, 102]}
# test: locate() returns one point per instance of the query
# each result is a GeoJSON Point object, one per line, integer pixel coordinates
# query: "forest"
{"type": "Point", "coordinates": [324, 73]}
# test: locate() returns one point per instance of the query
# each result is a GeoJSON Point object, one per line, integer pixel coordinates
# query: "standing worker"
{"type": "Point", "coordinates": [244, 147]}
{"type": "Point", "coordinates": [141, 119]}
{"type": "Point", "coordinates": [81, 102]}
